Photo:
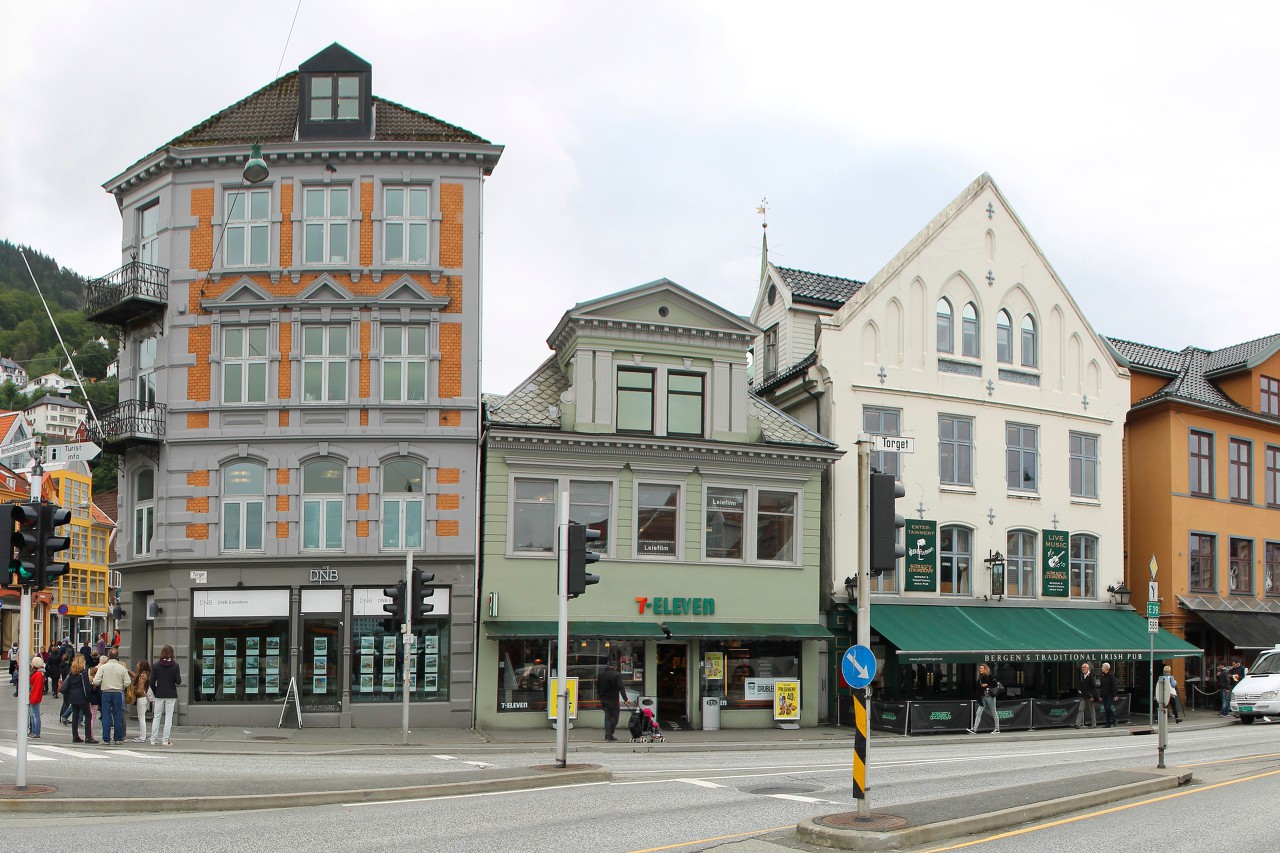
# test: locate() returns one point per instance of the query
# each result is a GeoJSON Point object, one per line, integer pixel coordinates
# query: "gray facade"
{"type": "Point", "coordinates": [299, 402]}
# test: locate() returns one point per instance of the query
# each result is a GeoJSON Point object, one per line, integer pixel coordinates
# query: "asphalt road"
{"type": "Point", "coordinates": [673, 801]}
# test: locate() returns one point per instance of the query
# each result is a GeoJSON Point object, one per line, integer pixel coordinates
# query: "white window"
{"type": "Point", "coordinates": [402, 502]}
{"type": "Point", "coordinates": [144, 511]}
{"type": "Point", "coordinates": [327, 221]}
{"type": "Point", "coordinates": [335, 97]}
{"type": "Point", "coordinates": [591, 505]}
{"type": "Point", "coordinates": [1084, 566]}
{"type": "Point", "coordinates": [148, 234]}
{"type": "Point", "coordinates": [406, 226]}
{"type": "Point", "coordinates": [955, 558]}
{"type": "Point", "coordinates": [884, 422]}
{"type": "Point", "coordinates": [324, 364]}
{"type": "Point", "coordinates": [404, 363]}
{"type": "Point", "coordinates": [946, 327]}
{"type": "Point", "coordinates": [1004, 338]}
{"type": "Point", "coordinates": [1020, 567]}
{"type": "Point", "coordinates": [243, 503]}
{"type": "Point", "coordinates": [146, 380]}
{"type": "Point", "coordinates": [533, 522]}
{"type": "Point", "coordinates": [1084, 465]}
{"type": "Point", "coordinates": [969, 330]}
{"type": "Point", "coordinates": [657, 519]}
{"type": "Point", "coordinates": [244, 365]}
{"type": "Point", "coordinates": [248, 228]}
{"type": "Point", "coordinates": [1021, 455]}
{"type": "Point", "coordinates": [1029, 357]}
{"type": "Point", "coordinates": [731, 513]}
{"type": "Point", "coordinates": [323, 496]}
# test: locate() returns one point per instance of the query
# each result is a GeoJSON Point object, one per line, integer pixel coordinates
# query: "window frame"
{"type": "Point", "coordinates": [701, 395]}
{"type": "Point", "coordinates": [1200, 465]}
{"type": "Point", "coordinates": [605, 545]}
{"type": "Point", "coordinates": [1023, 453]}
{"type": "Point", "coordinates": [1240, 565]}
{"type": "Point", "coordinates": [335, 98]}
{"type": "Point", "coordinates": [640, 522]}
{"type": "Point", "coordinates": [945, 338]}
{"type": "Point", "coordinates": [248, 364]}
{"type": "Point", "coordinates": [1083, 464]}
{"type": "Point", "coordinates": [619, 391]}
{"type": "Point", "coordinates": [145, 383]}
{"type": "Point", "coordinates": [970, 331]}
{"type": "Point", "coordinates": [1271, 457]}
{"type": "Point", "coordinates": [1269, 395]}
{"type": "Point", "coordinates": [1083, 581]}
{"type": "Point", "coordinates": [1207, 563]}
{"type": "Point", "coordinates": [770, 346]}
{"type": "Point", "coordinates": [242, 502]}
{"type": "Point", "coordinates": [403, 501]}
{"type": "Point", "coordinates": [406, 362]}
{"type": "Point", "coordinates": [144, 513]}
{"type": "Point", "coordinates": [149, 233]}
{"type": "Point", "coordinates": [324, 502]}
{"type": "Point", "coordinates": [956, 556]}
{"type": "Point", "coordinates": [885, 461]}
{"type": "Point", "coordinates": [406, 222]}
{"type": "Point", "coordinates": [329, 223]}
{"type": "Point", "coordinates": [1020, 563]}
{"type": "Point", "coordinates": [326, 361]}
{"type": "Point", "coordinates": [1271, 568]}
{"type": "Point", "coordinates": [749, 540]}
{"type": "Point", "coordinates": [961, 451]}
{"type": "Point", "coordinates": [1004, 337]}
{"type": "Point", "coordinates": [1240, 470]}
{"type": "Point", "coordinates": [1030, 345]}
{"type": "Point", "coordinates": [251, 228]}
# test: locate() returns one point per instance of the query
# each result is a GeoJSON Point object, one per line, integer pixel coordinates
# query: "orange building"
{"type": "Point", "coordinates": [1202, 487]}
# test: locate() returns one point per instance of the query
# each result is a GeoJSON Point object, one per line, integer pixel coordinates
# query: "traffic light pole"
{"type": "Point", "coordinates": [25, 646]}
{"type": "Point", "coordinates": [407, 638]}
{"type": "Point", "coordinates": [562, 636]}
{"type": "Point", "coordinates": [864, 599]}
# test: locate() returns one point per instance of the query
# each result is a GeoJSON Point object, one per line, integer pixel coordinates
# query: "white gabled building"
{"type": "Point", "coordinates": [967, 342]}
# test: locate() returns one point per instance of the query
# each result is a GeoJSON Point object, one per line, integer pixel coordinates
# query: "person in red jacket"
{"type": "Point", "coordinates": [36, 695]}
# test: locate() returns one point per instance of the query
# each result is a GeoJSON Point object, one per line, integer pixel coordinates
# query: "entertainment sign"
{"type": "Point", "coordinates": [922, 556]}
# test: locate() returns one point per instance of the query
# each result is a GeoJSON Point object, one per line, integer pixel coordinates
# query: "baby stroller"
{"type": "Point", "coordinates": [644, 726]}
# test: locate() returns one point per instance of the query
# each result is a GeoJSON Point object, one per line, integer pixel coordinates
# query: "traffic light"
{"type": "Point", "coordinates": [8, 562]}
{"type": "Point", "coordinates": [579, 557]}
{"type": "Point", "coordinates": [395, 607]}
{"type": "Point", "coordinates": [418, 592]}
{"type": "Point", "coordinates": [885, 523]}
{"type": "Point", "coordinates": [52, 517]}
{"type": "Point", "coordinates": [26, 544]}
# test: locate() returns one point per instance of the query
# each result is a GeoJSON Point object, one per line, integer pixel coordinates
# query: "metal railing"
{"type": "Point", "coordinates": [134, 280]}
{"type": "Point", "coordinates": [132, 420]}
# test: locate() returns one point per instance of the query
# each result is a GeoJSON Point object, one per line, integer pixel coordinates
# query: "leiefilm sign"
{"type": "Point", "coordinates": [922, 556]}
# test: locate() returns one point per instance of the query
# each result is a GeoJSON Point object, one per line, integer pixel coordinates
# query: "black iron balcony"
{"type": "Point", "coordinates": [133, 291]}
{"type": "Point", "coordinates": [131, 424]}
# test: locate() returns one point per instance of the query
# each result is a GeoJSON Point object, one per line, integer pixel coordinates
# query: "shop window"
{"type": "Point", "coordinates": [240, 661]}
{"type": "Point", "coordinates": [526, 668]}
{"type": "Point", "coordinates": [377, 660]}
{"type": "Point", "coordinates": [321, 664]}
{"type": "Point", "coordinates": [657, 519]}
{"type": "Point", "coordinates": [749, 670]}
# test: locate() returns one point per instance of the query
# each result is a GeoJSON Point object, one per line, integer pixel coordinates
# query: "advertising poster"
{"type": "Point", "coordinates": [714, 668]}
{"type": "Point", "coordinates": [273, 645]}
{"type": "Point", "coordinates": [1056, 580]}
{"type": "Point", "coordinates": [273, 683]}
{"type": "Point", "coordinates": [251, 645]}
{"type": "Point", "coordinates": [786, 700]}
{"type": "Point", "coordinates": [366, 681]}
{"type": "Point", "coordinates": [553, 701]}
{"type": "Point", "coordinates": [921, 574]}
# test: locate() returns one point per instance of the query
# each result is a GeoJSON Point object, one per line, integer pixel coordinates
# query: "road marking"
{"type": "Point", "coordinates": [716, 838]}
{"type": "Point", "coordinates": [799, 799]}
{"type": "Point", "coordinates": [701, 783]}
{"type": "Point", "coordinates": [477, 764]}
{"type": "Point", "coordinates": [74, 753]}
{"type": "Point", "coordinates": [31, 756]}
{"type": "Point", "coordinates": [445, 757]}
{"type": "Point", "coordinates": [1127, 806]}
{"type": "Point", "coordinates": [131, 753]}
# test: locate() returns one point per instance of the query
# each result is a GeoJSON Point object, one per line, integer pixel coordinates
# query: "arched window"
{"type": "Point", "coordinates": [969, 330]}
{"type": "Point", "coordinates": [1029, 342]}
{"type": "Point", "coordinates": [1004, 337]}
{"type": "Point", "coordinates": [402, 486]}
{"type": "Point", "coordinates": [946, 327]}
{"type": "Point", "coordinates": [1084, 566]}
{"type": "Point", "coordinates": [243, 501]}
{"type": "Point", "coordinates": [955, 556]}
{"type": "Point", "coordinates": [144, 511]}
{"type": "Point", "coordinates": [1020, 565]}
{"type": "Point", "coordinates": [323, 496]}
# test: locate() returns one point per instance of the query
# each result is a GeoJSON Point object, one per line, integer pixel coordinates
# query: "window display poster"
{"type": "Point", "coordinates": [366, 665]}
{"type": "Point", "coordinates": [320, 666]}
{"type": "Point", "coordinates": [389, 644]}
{"type": "Point", "coordinates": [786, 699]}
{"type": "Point", "coordinates": [430, 663]}
{"type": "Point", "coordinates": [250, 666]}
{"type": "Point", "coordinates": [209, 665]}
{"type": "Point", "coordinates": [413, 681]}
{"type": "Point", "coordinates": [366, 644]}
{"type": "Point", "coordinates": [431, 645]}
{"type": "Point", "coordinates": [320, 645]}
{"type": "Point", "coordinates": [208, 683]}
{"type": "Point", "coordinates": [273, 682]}
{"type": "Point", "coordinates": [228, 684]}
{"type": "Point", "coordinates": [251, 684]}
{"type": "Point", "coordinates": [625, 665]}
{"type": "Point", "coordinates": [230, 645]}
{"type": "Point", "coordinates": [319, 684]}
{"type": "Point", "coordinates": [273, 664]}
{"type": "Point", "coordinates": [273, 645]}
{"type": "Point", "coordinates": [388, 682]}
{"type": "Point", "coordinates": [389, 663]}
{"type": "Point", "coordinates": [715, 666]}
{"type": "Point", "coordinates": [250, 645]}
{"type": "Point", "coordinates": [209, 645]}
{"type": "Point", "coordinates": [429, 682]}
{"type": "Point", "coordinates": [366, 681]}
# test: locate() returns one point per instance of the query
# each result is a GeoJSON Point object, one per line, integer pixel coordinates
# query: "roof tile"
{"type": "Point", "coordinates": [815, 287]}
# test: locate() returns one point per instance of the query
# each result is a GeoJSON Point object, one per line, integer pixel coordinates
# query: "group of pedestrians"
{"type": "Point", "coordinates": [101, 686]}
{"type": "Point", "coordinates": [1096, 689]}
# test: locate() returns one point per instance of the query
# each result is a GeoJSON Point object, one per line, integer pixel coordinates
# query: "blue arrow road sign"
{"type": "Point", "coordinates": [858, 666]}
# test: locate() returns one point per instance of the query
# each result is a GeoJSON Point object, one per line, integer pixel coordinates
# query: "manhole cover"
{"type": "Point", "coordinates": [15, 791]}
{"type": "Point", "coordinates": [850, 820]}
{"type": "Point", "coordinates": [270, 737]}
{"type": "Point", "coordinates": [783, 789]}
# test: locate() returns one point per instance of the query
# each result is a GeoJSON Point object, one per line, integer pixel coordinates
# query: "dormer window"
{"type": "Point", "coordinates": [335, 97]}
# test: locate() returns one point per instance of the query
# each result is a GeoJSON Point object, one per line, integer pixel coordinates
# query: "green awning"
{"type": "Point", "coordinates": [752, 630]}
{"type": "Point", "coordinates": [539, 629]}
{"type": "Point", "coordinates": [1003, 634]}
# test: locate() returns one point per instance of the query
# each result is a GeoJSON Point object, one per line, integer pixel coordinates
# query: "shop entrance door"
{"type": "Point", "coordinates": [673, 685]}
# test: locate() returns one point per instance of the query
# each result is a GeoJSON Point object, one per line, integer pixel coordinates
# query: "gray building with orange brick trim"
{"type": "Point", "coordinates": [299, 403]}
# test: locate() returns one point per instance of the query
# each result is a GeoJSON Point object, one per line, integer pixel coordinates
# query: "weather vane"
{"type": "Point", "coordinates": [763, 210]}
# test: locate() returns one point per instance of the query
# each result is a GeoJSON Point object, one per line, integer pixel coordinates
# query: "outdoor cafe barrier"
{"type": "Point", "coordinates": [912, 717]}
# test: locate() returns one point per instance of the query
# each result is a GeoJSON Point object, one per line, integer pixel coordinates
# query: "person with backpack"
{"type": "Point", "coordinates": [988, 689]}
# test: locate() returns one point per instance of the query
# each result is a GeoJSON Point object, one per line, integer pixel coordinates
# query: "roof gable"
{"type": "Point", "coordinates": [660, 304]}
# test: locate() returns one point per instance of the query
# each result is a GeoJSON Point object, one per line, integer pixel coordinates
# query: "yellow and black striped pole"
{"type": "Point", "coordinates": [860, 752]}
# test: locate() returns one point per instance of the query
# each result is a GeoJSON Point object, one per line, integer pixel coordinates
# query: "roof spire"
{"type": "Point", "coordinates": [763, 210]}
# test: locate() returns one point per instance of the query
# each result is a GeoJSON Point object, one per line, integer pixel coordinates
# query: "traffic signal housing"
{"type": "Point", "coordinates": [580, 556]}
{"type": "Point", "coordinates": [395, 607]}
{"type": "Point", "coordinates": [885, 523]}
{"type": "Point", "coordinates": [419, 592]}
{"type": "Point", "coordinates": [52, 517]}
{"type": "Point", "coordinates": [8, 560]}
{"type": "Point", "coordinates": [26, 545]}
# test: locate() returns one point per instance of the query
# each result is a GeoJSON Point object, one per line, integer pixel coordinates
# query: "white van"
{"type": "Point", "coordinates": [1258, 693]}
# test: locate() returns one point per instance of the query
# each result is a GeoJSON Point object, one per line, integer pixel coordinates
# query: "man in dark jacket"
{"type": "Point", "coordinates": [610, 689]}
{"type": "Point", "coordinates": [1107, 690]}
{"type": "Point", "coordinates": [1088, 697]}
{"type": "Point", "coordinates": [1224, 685]}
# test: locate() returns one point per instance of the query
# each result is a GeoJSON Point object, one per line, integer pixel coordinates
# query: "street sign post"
{"type": "Point", "coordinates": [1153, 609]}
{"type": "Point", "coordinates": [1153, 625]}
{"type": "Point", "coordinates": [1153, 628]}
{"type": "Point", "coordinates": [894, 444]}
{"type": "Point", "coordinates": [858, 667]}
{"type": "Point", "coordinates": [18, 448]}
{"type": "Point", "coordinates": [82, 451]}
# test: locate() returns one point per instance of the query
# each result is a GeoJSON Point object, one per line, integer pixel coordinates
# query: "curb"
{"type": "Point", "coordinates": [580, 774]}
{"type": "Point", "coordinates": [811, 831]}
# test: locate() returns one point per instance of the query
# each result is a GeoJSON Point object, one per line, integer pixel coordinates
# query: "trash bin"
{"type": "Point", "coordinates": [711, 713]}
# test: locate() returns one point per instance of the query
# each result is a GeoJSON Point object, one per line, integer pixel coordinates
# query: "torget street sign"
{"type": "Point", "coordinates": [894, 444]}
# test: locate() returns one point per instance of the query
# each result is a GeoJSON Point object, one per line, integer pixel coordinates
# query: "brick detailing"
{"type": "Point", "coordinates": [198, 505]}
{"type": "Point", "coordinates": [197, 478]}
{"type": "Point", "coordinates": [362, 530]}
{"type": "Point", "coordinates": [364, 417]}
{"type": "Point", "coordinates": [197, 420]}
{"type": "Point", "coordinates": [199, 386]}
{"type": "Point", "coordinates": [362, 502]}
{"type": "Point", "coordinates": [451, 225]}
{"type": "Point", "coordinates": [284, 380]}
{"type": "Point", "coordinates": [453, 290]}
{"type": "Point", "coordinates": [450, 379]}
{"type": "Point", "coordinates": [450, 417]}
{"type": "Point", "coordinates": [448, 476]}
{"type": "Point", "coordinates": [282, 530]}
{"type": "Point", "coordinates": [447, 502]}
{"type": "Point", "coordinates": [362, 476]}
{"type": "Point", "coordinates": [282, 476]}
{"type": "Point", "coordinates": [284, 417]}
{"type": "Point", "coordinates": [286, 225]}
{"type": "Point", "coordinates": [197, 531]}
{"type": "Point", "coordinates": [366, 337]}
{"type": "Point", "coordinates": [201, 254]}
{"type": "Point", "coordinates": [446, 528]}
{"type": "Point", "coordinates": [366, 224]}
{"type": "Point", "coordinates": [282, 503]}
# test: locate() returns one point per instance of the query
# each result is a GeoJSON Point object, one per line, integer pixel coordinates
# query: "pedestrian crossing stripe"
{"type": "Point", "coordinates": [38, 752]}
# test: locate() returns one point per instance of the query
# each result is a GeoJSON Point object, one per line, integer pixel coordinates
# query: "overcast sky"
{"type": "Point", "coordinates": [1137, 141]}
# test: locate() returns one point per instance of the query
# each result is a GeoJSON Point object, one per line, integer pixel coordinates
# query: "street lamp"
{"type": "Point", "coordinates": [256, 171]}
{"type": "Point", "coordinates": [995, 561]}
{"type": "Point", "coordinates": [1119, 594]}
